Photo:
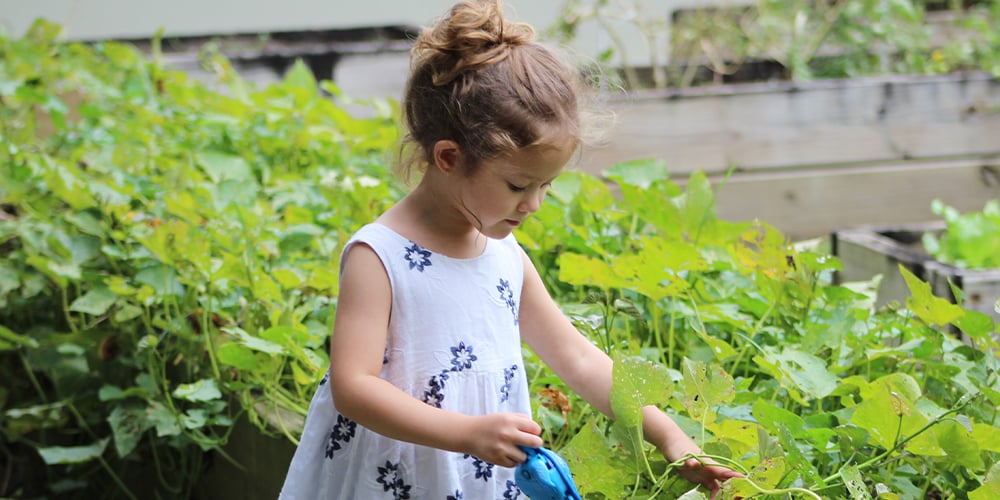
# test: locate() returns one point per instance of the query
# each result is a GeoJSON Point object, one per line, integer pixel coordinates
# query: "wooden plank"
{"type": "Point", "coordinates": [812, 203]}
{"type": "Point", "coordinates": [761, 126]}
{"type": "Point", "coordinates": [865, 253]}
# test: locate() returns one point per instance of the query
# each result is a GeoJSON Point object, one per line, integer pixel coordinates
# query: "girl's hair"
{"type": "Point", "coordinates": [483, 82]}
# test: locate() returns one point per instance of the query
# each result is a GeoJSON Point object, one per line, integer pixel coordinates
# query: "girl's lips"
{"type": "Point", "coordinates": [514, 222]}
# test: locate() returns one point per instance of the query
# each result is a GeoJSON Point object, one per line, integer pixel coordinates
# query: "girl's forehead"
{"type": "Point", "coordinates": [540, 162]}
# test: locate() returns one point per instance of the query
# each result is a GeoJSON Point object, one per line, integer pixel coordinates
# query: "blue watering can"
{"type": "Point", "coordinates": [545, 476]}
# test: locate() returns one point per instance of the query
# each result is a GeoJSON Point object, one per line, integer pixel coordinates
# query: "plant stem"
{"type": "Point", "coordinates": [902, 442]}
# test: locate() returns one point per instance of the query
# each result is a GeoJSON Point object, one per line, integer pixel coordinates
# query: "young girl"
{"type": "Point", "coordinates": [427, 395]}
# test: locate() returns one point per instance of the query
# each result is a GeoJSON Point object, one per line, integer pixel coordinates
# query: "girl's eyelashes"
{"type": "Point", "coordinates": [515, 188]}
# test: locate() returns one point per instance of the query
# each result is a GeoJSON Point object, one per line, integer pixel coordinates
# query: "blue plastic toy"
{"type": "Point", "coordinates": [545, 476]}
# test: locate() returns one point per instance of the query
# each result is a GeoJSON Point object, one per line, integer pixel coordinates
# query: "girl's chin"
{"type": "Point", "coordinates": [498, 231]}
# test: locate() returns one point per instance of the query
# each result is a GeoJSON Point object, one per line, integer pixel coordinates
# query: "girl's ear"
{"type": "Point", "coordinates": [447, 156]}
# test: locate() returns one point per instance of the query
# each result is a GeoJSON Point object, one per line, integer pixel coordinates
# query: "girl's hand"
{"type": "Point", "coordinates": [707, 475]}
{"type": "Point", "coordinates": [495, 437]}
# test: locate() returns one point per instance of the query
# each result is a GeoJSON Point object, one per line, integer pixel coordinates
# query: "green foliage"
{"type": "Point", "coordinates": [970, 240]}
{"type": "Point", "coordinates": [805, 38]}
{"type": "Point", "coordinates": [169, 259]}
{"type": "Point", "coordinates": [770, 367]}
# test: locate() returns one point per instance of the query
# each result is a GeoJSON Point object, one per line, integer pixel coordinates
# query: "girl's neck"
{"type": "Point", "coordinates": [434, 219]}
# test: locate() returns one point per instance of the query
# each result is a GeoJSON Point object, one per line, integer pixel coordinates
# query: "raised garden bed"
{"type": "Point", "coordinates": [869, 251]}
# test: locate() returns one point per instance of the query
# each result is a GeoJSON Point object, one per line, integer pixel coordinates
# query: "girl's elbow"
{"type": "Point", "coordinates": [345, 397]}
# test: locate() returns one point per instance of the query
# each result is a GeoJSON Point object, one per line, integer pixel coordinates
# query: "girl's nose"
{"type": "Point", "coordinates": [531, 202]}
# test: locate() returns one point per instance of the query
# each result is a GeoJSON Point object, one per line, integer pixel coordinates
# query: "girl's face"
{"type": "Point", "coordinates": [504, 191]}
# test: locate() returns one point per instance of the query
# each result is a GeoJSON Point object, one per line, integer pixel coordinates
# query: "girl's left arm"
{"type": "Point", "coordinates": [587, 371]}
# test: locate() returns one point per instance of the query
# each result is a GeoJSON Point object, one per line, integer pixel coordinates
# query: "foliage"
{"type": "Point", "coordinates": [169, 257]}
{"type": "Point", "coordinates": [806, 39]}
{"type": "Point", "coordinates": [970, 240]}
{"type": "Point", "coordinates": [772, 368]}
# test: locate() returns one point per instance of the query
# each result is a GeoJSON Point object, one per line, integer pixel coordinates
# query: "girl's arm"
{"type": "Point", "coordinates": [587, 371]}
{"type": "Point", "coordinates": [356, 353]}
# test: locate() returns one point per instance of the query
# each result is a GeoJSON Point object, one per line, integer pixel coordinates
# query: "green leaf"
{"type": "Point", "coordinates": [202, 390]}
{"type": "Point", "coordinates": [987, 437]}
{"type": "Point", "coordinates": [930, 309]}
{"type": "Point", "coordinates": [807, 372]}
{"type": "Point", "coordinates": [301, 77]}
{"type": "Point", "coordinates": [597, 465]}
{"type": "Point", "coordinates": [706, 387]}
{"type": "Point", "coordinates": [768, 472]}
{"type": "Point", "coordinates": [976, 325]}
{"type": "Point", "coordinates": [163, 279]}
{"type": "Point", "coordinates": [163, 419]}
{"type": "Point", "coordinates": [580, 270]}
{"type": "Point", "coordinates": [855, 483]}
{"type": "Point", "coordinates": [221, 166]}
{"type": "Point", "coordinates": [254, 343]}
{"type": "Point", "coordinates": [636, 383]}
{"type": "Point", "coordinates": [693, 494]}
{"type": "Point", "coordinates": [85, 221]}
{"type": "Point", "coordinates": [72, 454]}
{"type": "Point", "coordinates": [238, 356]}
{"type": "Point", "coordinates": [990, 489]}
{"type": "Point", "coordinates": [774, 418]}
{"type": "Point", "coordinates": [889, 414]}
{"type": "Point", "coordinates": [639, 173]}
{"type": "Point", "coordinates": [127, 428]}
{"type": "Point", "coordinates": [95, 302]}
{"type": "Point", "coordinates": [960, 444]}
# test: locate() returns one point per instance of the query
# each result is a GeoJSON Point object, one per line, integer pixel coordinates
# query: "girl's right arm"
{"type": "Point", "coordinates": [357, 349]}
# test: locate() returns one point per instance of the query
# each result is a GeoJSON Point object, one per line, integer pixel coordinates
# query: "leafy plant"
{"type": "Point", "coordinates": [744, 340]}
{"type": "Point", "coordinates": [805, 39]}
{"type": "Point", "coordinates": [970, 240]}
{"type": "Point", "coordinates": [169, 258]}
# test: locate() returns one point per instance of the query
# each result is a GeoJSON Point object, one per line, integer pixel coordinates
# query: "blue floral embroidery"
{"type": "Point", "coordinates": [390, 480]}
{"type": "Point", "coordinates": [508, 376]}
{"type": "Point", "coordinates": [457, 496]}
{"type": "Point", "coordinates": [418, 257]}
{"type": "Point", "coordinates": [462, 357]}
{"type": "Point", "coordinates": [484, 470]}
{"type": "Point", "coordinates": [507, 295]}
{"type": "Point", "coordinates": [433, 395]}
{"type": "Point", "coordinates": [340, 435]}
{"type": "Point", "coordinates": [326, 376]}
{"type": "Point", "coordinates": [512, 492]}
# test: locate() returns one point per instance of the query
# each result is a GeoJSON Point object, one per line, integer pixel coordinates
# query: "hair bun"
{"type": "Point", "coordinates": [473, 35]}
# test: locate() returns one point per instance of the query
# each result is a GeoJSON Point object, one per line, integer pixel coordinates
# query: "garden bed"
{"type": "Point", "coordinates": [869, 251]}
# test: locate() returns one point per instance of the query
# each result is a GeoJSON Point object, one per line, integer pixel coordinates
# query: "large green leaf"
{"type": "Point", "coordinates": [202, 390]}
{"type": "Point", "coordinates": [929, 308]}
{"type": "Point", "coordinates": [95, 302]}
{"type": "Point", "coordinates": [706, 387]}
{"type": "Point", "coordinates": [128, 424]}
{"type": "Point", "coordinates": [53, 455]}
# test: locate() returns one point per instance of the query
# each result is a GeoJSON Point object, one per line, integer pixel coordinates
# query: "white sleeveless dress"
{"type": "Point", "coordinates": [453, 343]}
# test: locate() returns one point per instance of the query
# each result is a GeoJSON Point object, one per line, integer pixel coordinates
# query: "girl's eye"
{"type": "Point", "coordinates": [516, 189]}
